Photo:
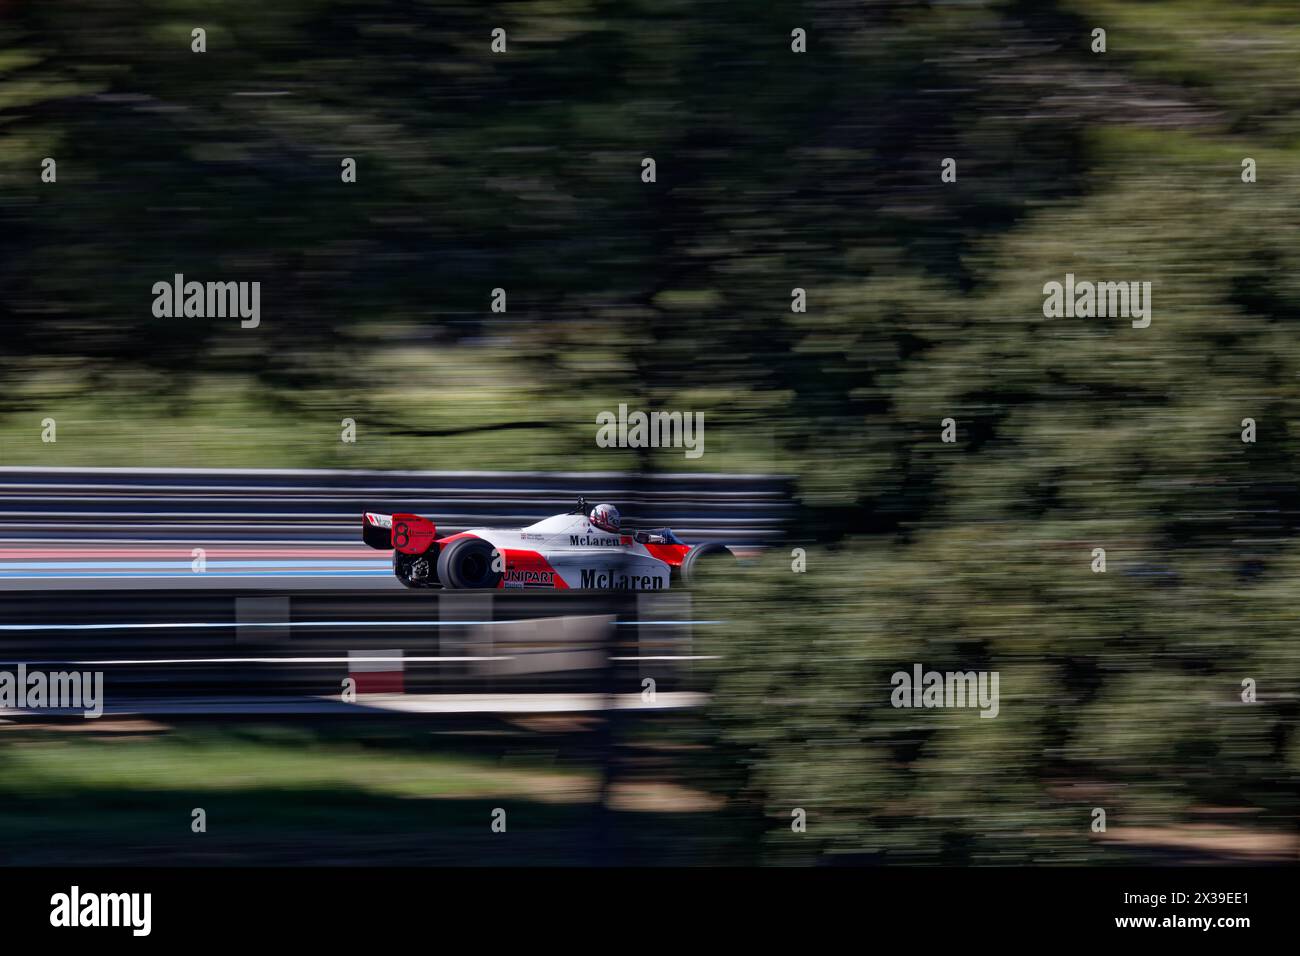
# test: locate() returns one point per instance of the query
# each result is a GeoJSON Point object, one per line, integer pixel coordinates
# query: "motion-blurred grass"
{"type": "Point", "coordinates": [428, 409]}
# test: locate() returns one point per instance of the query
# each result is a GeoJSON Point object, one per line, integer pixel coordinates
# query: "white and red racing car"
{"type": "Point", "coordinates": [581, 549]}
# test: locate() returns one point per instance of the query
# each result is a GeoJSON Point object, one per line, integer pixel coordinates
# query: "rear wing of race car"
{"type": "Point", "coordinates": [408, 533]}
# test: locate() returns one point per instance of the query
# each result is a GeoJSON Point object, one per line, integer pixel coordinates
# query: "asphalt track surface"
{"type": "Point", "coordinates": [97, 574]}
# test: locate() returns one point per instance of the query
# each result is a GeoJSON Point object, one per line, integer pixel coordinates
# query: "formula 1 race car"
{"type": "Point", "coordinates": [581, 549]}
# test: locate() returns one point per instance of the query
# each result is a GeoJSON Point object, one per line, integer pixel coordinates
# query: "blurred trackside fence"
{"type": "Point", "coordinates": [221, 651]}
{"type": "Point", "coordinates": [71, 504]}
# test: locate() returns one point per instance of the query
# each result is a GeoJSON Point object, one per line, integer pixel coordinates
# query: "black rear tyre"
{"type": "Point", "coordinates": [469, 563]}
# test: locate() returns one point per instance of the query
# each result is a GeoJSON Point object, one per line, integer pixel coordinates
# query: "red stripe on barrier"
{"type": "Point", "coordinates": [379, 682]}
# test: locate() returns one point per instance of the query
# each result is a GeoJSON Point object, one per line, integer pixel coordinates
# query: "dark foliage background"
{"type": "Point", "coordinates": [775, 170]}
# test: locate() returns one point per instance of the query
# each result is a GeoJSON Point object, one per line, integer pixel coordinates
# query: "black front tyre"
{"type": "Point", "coordinates": [704, 561]}
{"type": "Point", "coordinates": [469, 563]}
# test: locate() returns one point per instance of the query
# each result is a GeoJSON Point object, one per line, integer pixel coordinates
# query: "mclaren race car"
{"type": "Point", "coordinates": [585, 548]}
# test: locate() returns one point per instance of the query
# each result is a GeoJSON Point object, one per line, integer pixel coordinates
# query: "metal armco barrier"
{"type": "Point", "coordinates": [300, 648]}
{"type": "Point", "coordinates": [168, 505]}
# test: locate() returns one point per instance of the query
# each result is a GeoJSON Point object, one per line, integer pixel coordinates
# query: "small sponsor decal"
{"type": "Point", "coordinates": [525, 577]}
{"type": "Point", "coordinates": [593, 541]}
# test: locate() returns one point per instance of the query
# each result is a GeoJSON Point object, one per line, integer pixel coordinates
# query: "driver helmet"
{"type": "Point", "coordinates": [605, 517]}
